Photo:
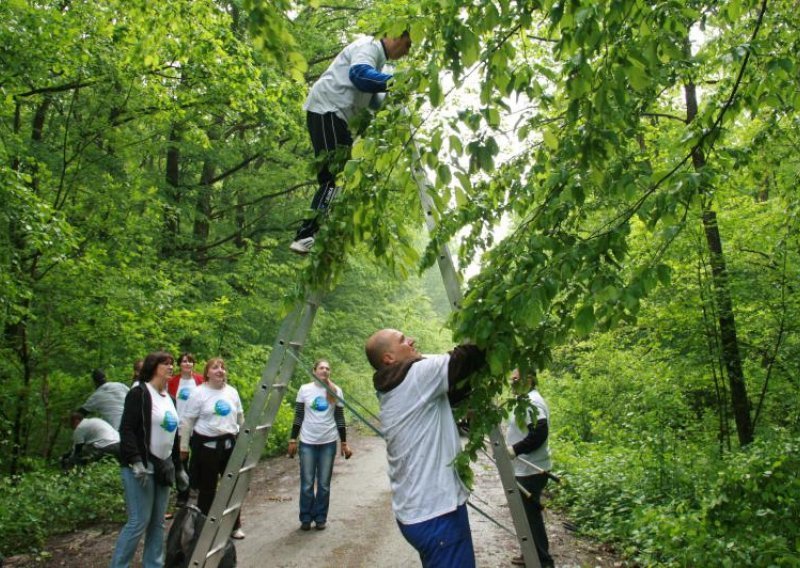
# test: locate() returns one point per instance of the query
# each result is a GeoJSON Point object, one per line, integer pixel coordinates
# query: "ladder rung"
{"type": "Point", "coordinates": [263, 426]}
{"type": "Point", "coordinates": [295, 344]}
{"type": "Point", "coordinates": [279, 386]}
{"type": "Point", "coordinates": [217, 550]}
{"type": "Point", "coordinates": [247, 468]}
{"type": "Point", "coordinates": [231, 509]}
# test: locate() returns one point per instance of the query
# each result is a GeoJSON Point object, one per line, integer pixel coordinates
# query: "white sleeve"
{"type": "Point", "coordinates": [91, 402]}
{"type": "Point", "coordinates": [366, 54]}
{"type": "Point", "coordinates": [192, 407]}
{"type": "Point", "coordinates": [79, 435]}
{"type": "Point", "coordinates": [239, 409]}
{"type": "Point", "coordinates": [430, 376]}
{"type": "Point", "coordinates": [187, 426]}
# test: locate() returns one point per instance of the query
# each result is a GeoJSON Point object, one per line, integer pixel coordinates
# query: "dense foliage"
{"type": "Point", "coordinates": [154, 163]}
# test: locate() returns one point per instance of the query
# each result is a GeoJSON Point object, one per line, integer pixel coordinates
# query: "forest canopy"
{"type": "Point", "coordinates": [625, 171]}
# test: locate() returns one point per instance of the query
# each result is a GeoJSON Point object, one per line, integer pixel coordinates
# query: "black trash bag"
{"type": "Point", "coordinates": [182, 538]}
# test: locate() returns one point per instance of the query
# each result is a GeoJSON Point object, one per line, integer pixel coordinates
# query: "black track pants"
{"type": "Point", "coordinates": [331, 140]}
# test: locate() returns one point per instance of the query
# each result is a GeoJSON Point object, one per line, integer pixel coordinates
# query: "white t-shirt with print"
{"type": "Point", "coordinates": [541, 455]}
{"type": "Point", "coordinates": [334, 91]}
{"type": "Point", "coordinates": [186, 388]}
{"type": "Point", "coordinates": [216, 411]}
{"type": "Point", "coordinates": [108, 400]}
{"type": "Point", "coordinates": [319, 423]}
{"type": "Point", "coordinates": [163, 423]}
{"type": "Point", "coordinates": [421, 443]}
{"type": "Point", "coordinates": [95, 432]}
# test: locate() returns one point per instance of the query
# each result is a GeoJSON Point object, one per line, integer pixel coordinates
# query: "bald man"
{"type": "Point", "coordinates": [415, 395]}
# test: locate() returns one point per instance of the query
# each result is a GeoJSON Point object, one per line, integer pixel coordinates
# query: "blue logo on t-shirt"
{"type": "Point", "coordinates": [183, 394]}
{"type": "Point", "coordinates": [320, 404]}
{"type": "Point", "coordinates": [170, 422]}
{"type": "Point", "coordinates": [222, 408]}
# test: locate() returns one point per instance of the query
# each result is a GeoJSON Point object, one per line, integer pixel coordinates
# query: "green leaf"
{"type": "Point", "coordinates": [664, 273]}
{"type": "Point", "coordinates": [584, 320]}
{"type": "Point", "coordinates": [550, 139]}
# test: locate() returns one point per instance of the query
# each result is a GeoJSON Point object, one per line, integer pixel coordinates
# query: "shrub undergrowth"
{"type": "Point", "coordinates": [741, 509]}
{"type": "Point", "coordinates": [46, 502]}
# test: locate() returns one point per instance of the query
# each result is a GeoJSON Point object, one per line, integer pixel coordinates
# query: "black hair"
{"type": "Point", "coordinates": [152, 361]}
{"type": "Point", "coordinates": [98, 376]}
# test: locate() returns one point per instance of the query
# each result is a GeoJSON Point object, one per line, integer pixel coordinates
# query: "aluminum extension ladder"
{"type": "Point", "coordinates": [498, 442]}
{"type": "Point", "coordinates": [263, 409]}
{"type": "Point", "coordinates": [270, 392]}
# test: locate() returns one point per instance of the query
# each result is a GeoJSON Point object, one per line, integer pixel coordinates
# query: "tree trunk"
{"type": "Point", "coordinates": [203, 212]}
{"type": "Point", "coordinates": [722, 295]}
{"type": "Point", "coordinates": [171, 216]}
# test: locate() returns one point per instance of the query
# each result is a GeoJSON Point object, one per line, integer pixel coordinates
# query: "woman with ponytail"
{"type": "Point", "coordinates": [319, 421]}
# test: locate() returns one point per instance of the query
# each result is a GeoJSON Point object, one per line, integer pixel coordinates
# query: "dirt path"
{"type": "Point", "coordinates": [361, 529]}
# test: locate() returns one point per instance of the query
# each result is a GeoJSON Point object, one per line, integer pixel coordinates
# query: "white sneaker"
{"type": "Point", "coordinates": [302, 246]}
{"type": "Point", "coordinates": [238, 534]}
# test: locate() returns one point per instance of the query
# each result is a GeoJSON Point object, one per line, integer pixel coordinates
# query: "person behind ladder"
{"type": "Point", "coordinates": [529, 442]}
{"type": "Point", "coordinates": [210, 423]}
{"type": "Point", "coordinates": [415, 394]}
{"type": "Point", "coordinates": [347, 86]}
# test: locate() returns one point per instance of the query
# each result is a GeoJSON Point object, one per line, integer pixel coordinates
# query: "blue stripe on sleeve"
{"type": "Point", "coordinates": [368, 79]}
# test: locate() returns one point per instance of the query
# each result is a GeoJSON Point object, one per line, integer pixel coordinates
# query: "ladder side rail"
{"type": "Point", "coordinates": [240, 476]}
{"type": "Point", "coordinates": [454, 295]}
{"type": "Point", "coordinates": [236, 479]}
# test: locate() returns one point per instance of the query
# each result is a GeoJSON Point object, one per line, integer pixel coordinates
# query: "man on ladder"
{"type": "Point", "coordinates": [351, 84]}
{"type": "Point", "coordinates": [415, 394]}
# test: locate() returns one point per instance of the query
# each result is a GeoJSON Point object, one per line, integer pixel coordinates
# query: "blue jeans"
{"type": "Point", "coordinates": [316, 462]}
{"type": "Point", "coordinates": [444, 541]}
{"type": "Point", "coordinates": [146, 507]}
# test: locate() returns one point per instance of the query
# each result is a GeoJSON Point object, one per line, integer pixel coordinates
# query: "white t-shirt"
{"type": "Point", "coordinates": [422, 442]}
{"type": "Point", "coordinates": [163, 423]}
{"type": "Point", "coordinates": [319, 424]}
{"type": "Point", "coordinates": [95, 432]}
{"type": "Point", "coordinates": [215, 411]}
{"type": "Point", "coordinates": [334, 92]}
{"type": "Point", "coordinates": [108, 401]}
{"type": "Point", "coordinates": [541, 455]}
{"type": "Point", "coordinates": [186, 388]}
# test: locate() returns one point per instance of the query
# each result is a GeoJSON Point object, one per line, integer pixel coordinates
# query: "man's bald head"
{"type": "Point", "coordinates": [388, 346]}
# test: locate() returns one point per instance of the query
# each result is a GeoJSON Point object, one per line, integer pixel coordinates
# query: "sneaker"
{"type": "Point", "coordinates": [321, 526]}
{"type": "Point", "coordinates": [238, 534]}
{"type": "Point", "coordinates": [302, 246]}
{"type": "Point", "coordinates": [305, 526]}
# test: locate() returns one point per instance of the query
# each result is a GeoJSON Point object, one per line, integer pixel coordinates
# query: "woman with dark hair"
{"type": "Point", "coordinates": [148, 455]}
{"type": "Point", "coordinates": [211, 419]}
{"type": "Point", "coordinates": [319, 420]}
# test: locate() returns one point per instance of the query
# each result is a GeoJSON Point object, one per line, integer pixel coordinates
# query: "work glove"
{"type": "Point", "coordinates": [140, 473]}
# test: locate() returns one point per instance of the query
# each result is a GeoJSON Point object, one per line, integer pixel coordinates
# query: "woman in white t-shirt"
{"type": "Point", "coordinates": [319, 420]}
{"type": "Point", "coordinates": [147, 435]}
{"type": "Point", "coordinates": [211, 418]}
